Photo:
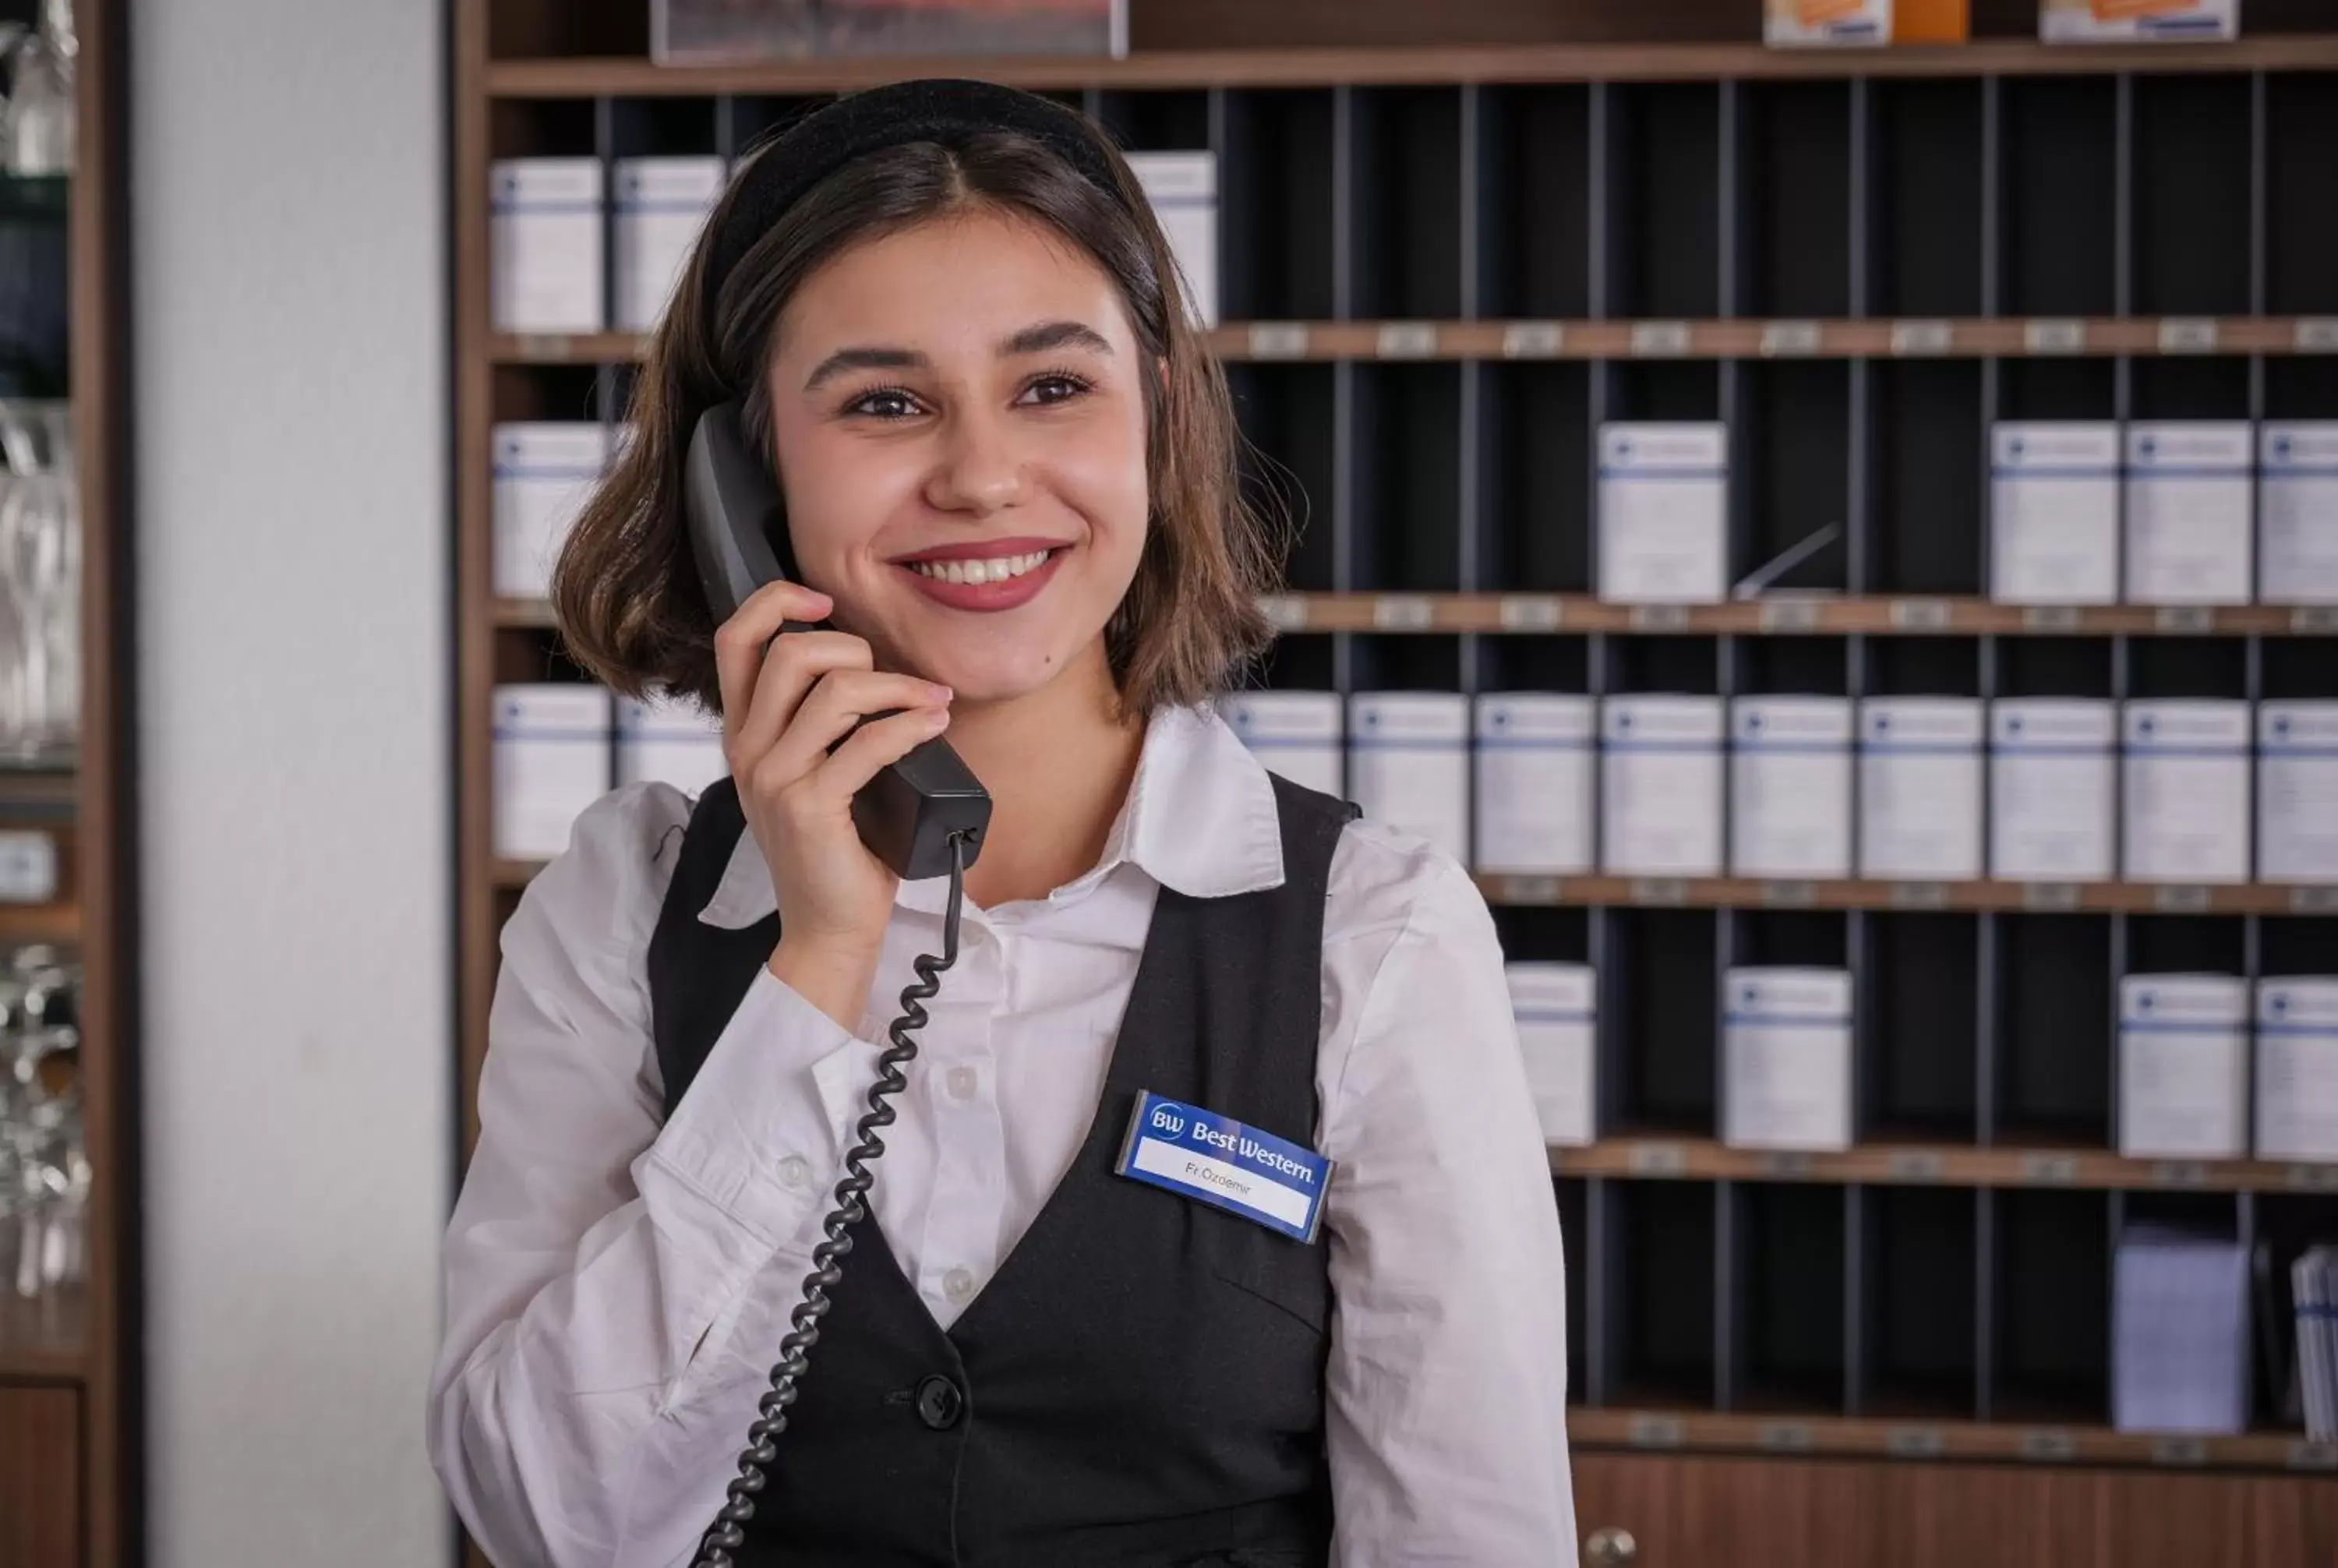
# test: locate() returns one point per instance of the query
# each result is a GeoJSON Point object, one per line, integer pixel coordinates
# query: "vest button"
{"type": "Point", "coordinates": [939, 1403]}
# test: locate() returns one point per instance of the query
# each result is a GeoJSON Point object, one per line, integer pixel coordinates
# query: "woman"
{"type": "Point", "coordinates": [1007, 467]}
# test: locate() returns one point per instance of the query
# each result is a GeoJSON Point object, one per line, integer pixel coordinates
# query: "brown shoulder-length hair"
{"type": "Point", "coordinates": [625, 588]}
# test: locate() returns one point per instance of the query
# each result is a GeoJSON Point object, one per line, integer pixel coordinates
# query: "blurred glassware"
{"type": "Point", "coordinates": [40, 585]}
{"type": "Point", "coordinates": [11, 34]}
{"type": "Point", "coordinates": [36, 435]}
{"type": "Point", "coordinates": [44, 1169]}
{"type": "Point", "coordinates": [36, 123]}
{"type": "Point", "coordinates": [44, 1173]}
{"type": "Point", "coordinates": [57, 16]}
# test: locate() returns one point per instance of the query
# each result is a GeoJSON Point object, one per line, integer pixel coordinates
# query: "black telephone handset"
{"type": "Point", "coordinates": [924, 816]}
{"type": "Point", "coordinates": [907, 813]}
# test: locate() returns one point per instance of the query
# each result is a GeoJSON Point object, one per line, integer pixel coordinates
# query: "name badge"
{"type": "Point", "coordinates": [1218, 1160]}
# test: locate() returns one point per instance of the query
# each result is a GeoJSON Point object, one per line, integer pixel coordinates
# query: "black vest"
{"type": "Point", "coordinates": [1141, 1384]}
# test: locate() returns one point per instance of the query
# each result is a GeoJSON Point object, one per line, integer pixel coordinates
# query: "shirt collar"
{"type": "Point", "coordinates": [1200, 818]}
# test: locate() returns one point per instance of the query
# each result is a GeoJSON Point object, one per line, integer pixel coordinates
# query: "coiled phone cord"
{"type": "Point", "coordinates": [728, 1534]}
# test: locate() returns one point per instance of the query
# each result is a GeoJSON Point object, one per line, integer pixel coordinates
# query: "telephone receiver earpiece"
{"type": "Point", "coordinates": [909, 811]}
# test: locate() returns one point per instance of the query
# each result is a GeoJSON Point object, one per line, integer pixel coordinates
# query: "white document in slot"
{"type": "Point", "coordinates": [1534, 782]}
{"type": "Point", "coordinates": [1660, 786]}
{"type": "Point", "coordinates": [670, 742]}
{"type": "Point", "coordinates": [2298, 504]}
{"type": "Point", "coordinates": [2297, 1068]}
{"type": "Point", "coordinates": [544, 241]}
{"type": "Point", "coordinates": [2055, 503]}
{"type": "Point", "coordinates": [2179, 1336]}
{"type": "Point", "coordinates": [552, 759]}
{"type": "Point", "coordinates": [2053, 788]}
{"type": "Point", "coordinates": [1297, 734]}
{"type": "Point", "coordinates": [2186, 790]}
{"type": "Point", "coordinates": [2188, 532]}
{"type": "Point", "coordinates": [2182, 1067]}
{"type": "Point", "coordinates": [1790, 787]}
{"type": "Point", "coordinates": [1408, 763]}
{"type": "Point", "coordinates": [545, 473]}
{"type": "Point", "coordinates": [1787, 1074]}
{"type": "Point", "coordinates": [1664, 504]}
{"type": "Point", "coordinates": [1919, 780]}
{"type": "Point", "coordinates": [1183, 188]}
{"type": "Point", "coordinates": [662, 204]}
{"type": "Point", "coordinates": [2297, 791]}
{"type": "Point", "coordinates": [1557, 1008]}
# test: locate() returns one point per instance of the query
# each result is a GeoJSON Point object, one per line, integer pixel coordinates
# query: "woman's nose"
{"type": "Point", "coordinates": [981, 467]}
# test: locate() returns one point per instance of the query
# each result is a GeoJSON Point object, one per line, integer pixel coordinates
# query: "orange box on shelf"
{"type": "Point", "coordinates": [1865, 23]}
{"type": "Point", "coordinates": [1931, 22]}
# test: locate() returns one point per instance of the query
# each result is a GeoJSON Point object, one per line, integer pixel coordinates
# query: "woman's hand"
{"type": "Point", "coordinates": [790, 705]}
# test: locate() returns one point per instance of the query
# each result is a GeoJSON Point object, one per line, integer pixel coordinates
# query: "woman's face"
{"type": "Point", "coordinates": [958, 420]}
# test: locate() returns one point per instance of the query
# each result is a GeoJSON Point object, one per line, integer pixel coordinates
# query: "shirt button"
{"type": "Point", "coordinates": [940, 1403]}
{"type": "Point", "coordinates": [957, 1285]}
{"type": "Point", "coordinates": [961, 1082]}
{"type": "Point", "coordinates": [795, 1171]}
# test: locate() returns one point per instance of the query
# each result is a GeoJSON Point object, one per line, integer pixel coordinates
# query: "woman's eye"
{"type": "Point", "coordinates": [885, 403]}
{"type": "Point", "coordinates": [1055, 388]}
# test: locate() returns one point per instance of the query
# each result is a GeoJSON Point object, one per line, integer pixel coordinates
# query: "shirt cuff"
{"type": "Point", "coordinates": [761, 1131]}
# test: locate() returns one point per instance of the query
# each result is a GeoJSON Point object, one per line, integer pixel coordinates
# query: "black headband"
{"type": "Point", "coordinates": [937, 109]}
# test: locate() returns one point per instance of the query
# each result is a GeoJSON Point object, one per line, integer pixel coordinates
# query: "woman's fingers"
{"type": "Point", "coordinates": [841, 698]}
{"type": "Point", "coordinates": [841, 774]}
{"type": "Point", "coordinates": [741, 642]}
{"type": "Point", "coordinates": [794, 665]}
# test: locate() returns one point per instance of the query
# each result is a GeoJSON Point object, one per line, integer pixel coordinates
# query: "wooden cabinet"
{"type": "Point", "coordinates": [40, 1478]}
{"type": "Point", "coordinates": [1718, 1512]}
{"type": "Point", "coordinates": [2294, 1521]}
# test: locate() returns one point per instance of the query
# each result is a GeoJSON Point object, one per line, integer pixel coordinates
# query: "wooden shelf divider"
{"type": "Point", "coordinates": [1659, 1158]}
{"type": "Point", "coordinates": [49, 1343]}
{"type": "Point", "coordinates": [1808, 614]}
{"type": "Point", "coordinates": [2003, 897]}
{"type": "Point", "coordinates": [22, 922]}
{"type": "Point", "coordinates": [1709, 1432]}
{"type": "Point", "coordinates": [1967, 338]}
{"type": "Point", "coordinates": [1483, 64]}
{"type": "Point", "coordinates": [1508, 890]}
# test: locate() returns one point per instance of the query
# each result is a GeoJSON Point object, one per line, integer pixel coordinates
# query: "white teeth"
{"type": "Point", "coordinates": [995, 570]}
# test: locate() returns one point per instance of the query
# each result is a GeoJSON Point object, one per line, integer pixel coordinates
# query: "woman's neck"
{"type": "Point", "coordinates": [1057, 763]}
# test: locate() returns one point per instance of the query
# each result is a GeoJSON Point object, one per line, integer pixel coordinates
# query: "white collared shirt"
{"type": "Point", "coordinates": [618, 1284]}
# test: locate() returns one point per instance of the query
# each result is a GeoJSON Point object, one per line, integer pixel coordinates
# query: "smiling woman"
{"type": "Point", "coordinates": [992, 289]}
{"type": "Point", "coordinates": [905, 433]}
{"type": "Point", "coordinates": [1004, 466]}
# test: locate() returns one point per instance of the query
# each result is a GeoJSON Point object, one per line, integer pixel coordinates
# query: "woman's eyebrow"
{"type": "Point", "coordinates": [1047, 335]}
{"type": "Point", "coordinates": [1034, 340]}
{"type": "Point", "coordinates": [863, 358]}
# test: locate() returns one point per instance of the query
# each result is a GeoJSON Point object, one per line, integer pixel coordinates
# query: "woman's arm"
{"type": "Point", "coordinates": [603, 1350]}
{"type": "Point", "coordinates": [1447, 1384]}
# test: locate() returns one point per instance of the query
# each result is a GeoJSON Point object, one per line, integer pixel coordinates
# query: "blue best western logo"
{"type": "Point", "coordinates": [1218, 1160]}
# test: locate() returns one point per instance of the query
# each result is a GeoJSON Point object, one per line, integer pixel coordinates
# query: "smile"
{"type": "Point", "coordinates": [998, 568]}
{"type": "Point", "coordinates": [987, 582]}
